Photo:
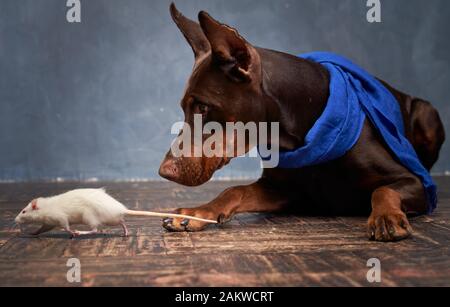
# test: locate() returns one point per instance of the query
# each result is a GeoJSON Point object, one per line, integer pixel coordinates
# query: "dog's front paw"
{"type": "Point", "coordinates": [388, 226]}
{"type": "Point", "coordinates": [179, 224]}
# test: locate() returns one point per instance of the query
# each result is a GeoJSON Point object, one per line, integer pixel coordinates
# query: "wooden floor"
{"type": "Point", "coordinates": [252, 250]}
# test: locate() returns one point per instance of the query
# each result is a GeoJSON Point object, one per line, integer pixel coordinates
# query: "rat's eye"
{"type": "Point", "coordinates": [24, 211]}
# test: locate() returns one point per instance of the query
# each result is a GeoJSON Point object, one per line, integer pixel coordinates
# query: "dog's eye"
{"type": "Point", "coordinates": [201, 108]}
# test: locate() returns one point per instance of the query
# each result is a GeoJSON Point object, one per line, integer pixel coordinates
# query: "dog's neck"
{"type": "Point", "coordinates": [297, 91]}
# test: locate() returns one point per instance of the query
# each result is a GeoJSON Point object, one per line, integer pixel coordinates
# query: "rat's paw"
{"type": "Point", "coordinates": [180, 224]}
{"type": "Point", "coordinates": [74, 234]}
{"type": "Point", "coordinates": [389, 226]}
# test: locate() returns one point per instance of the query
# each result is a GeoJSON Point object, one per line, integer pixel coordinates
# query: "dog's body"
{"type": "Point", "coordinates": [234, 81]}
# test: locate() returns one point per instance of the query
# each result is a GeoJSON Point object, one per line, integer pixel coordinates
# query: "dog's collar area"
{"type": "Point", "coordinates": [354, 96]}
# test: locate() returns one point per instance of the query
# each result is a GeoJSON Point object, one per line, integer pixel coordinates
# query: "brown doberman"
{"type": "Point", "coordinates": [233, 81]}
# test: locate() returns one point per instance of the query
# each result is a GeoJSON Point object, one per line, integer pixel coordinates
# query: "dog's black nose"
{"type": "Point", "coordinates": [169, 170]}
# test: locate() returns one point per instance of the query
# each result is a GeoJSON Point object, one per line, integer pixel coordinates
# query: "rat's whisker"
{"type": "Point", "coordinates": [13, 225]}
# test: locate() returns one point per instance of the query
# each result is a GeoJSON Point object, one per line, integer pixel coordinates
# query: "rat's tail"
{"type": "Point", "coordinates": [173, 215]}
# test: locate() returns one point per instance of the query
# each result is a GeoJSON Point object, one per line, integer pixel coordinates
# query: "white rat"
{"type": "Point", "coordinates": [92, 207]}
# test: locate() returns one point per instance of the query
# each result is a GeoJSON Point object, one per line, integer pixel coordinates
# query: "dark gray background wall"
{"type": "Point", "coordinates": [97, 99]}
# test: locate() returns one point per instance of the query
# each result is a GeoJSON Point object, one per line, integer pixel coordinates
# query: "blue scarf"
{"type": "Point", "coordinates": [355, 95]}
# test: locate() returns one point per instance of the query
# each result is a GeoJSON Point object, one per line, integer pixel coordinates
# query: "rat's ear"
{"type": "Point", "coordinates": [230, 50]}
{"type": "Point", "coordinates": [34, 205]}
{"type": "Point", "coordinates": [191, 31]}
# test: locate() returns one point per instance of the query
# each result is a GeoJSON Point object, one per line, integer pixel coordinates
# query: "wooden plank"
{"type": "Point", "coordinates": [252, 250]}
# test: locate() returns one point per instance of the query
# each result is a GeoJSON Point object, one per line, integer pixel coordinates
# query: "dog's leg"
{"type": "Point", "coordinates": [388, 221]}
{"type": "Point", "coordinates": [257, 197]}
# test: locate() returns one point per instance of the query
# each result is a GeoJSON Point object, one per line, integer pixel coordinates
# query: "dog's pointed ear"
{"type": "Point", "coordinates": [191, 31]}
{"type": "Point", "coordinates": [229, 48]}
